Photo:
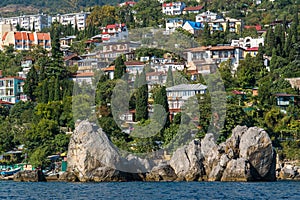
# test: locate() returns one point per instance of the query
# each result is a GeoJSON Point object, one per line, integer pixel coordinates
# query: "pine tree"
{"type": "Point", "coordinates": [142, 98]}
{"type": "Point", "coordinates": [170, 80]}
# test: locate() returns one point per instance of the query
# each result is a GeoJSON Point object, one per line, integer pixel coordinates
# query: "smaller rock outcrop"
{"type": "Point", "coordinates": [29, 176]}
{"type": "Point", "coordinates": [289, 171]}
{"type": "Point", "coordinates": [162, 172]}
{"type": "Point", "coordinates": [187, 162]}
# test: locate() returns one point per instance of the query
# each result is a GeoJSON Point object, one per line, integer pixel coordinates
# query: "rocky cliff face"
{"type": "Point", "coordinates": [246, 156]}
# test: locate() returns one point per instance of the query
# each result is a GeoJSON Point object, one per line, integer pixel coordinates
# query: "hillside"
{"type": "Point", "coordinates": [19, 7]}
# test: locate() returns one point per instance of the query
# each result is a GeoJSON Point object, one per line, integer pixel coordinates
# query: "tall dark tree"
{"type": "Point", "coordinates": [142, 99]}
{"type": "Point", "coordinates": [120, 68]}
{"type": "Point", "coordinates": [136, 81]}
{"type": "Point", "coordinates": [170, 79]}
{"type": "Point", "coordinates": [160, 98]}
{"type": "Point", "coordinates": [31, 84]}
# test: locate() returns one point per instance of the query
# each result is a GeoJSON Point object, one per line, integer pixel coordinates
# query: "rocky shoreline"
{"type": "Point", "coordinates": [247, 155]}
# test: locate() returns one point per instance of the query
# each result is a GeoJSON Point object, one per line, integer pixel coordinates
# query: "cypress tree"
{"type": "Point", "coordinates": [160, 97]}
{"type": "Point", "coordinates": [142, 98]}
{"type": "Point", "coordinates": [270, 42]}
{"type": "Point", "coordinates": [120, 68]}
{"type": "Point", "coordinates": [56, 90]}
{"type": "Point", "coordinates": [31, 84]}
{"type": "Point", "coordinates": [136, 81]}
{"type": "Point", "coordinates": [44, 92]}
{"type": "Point", "coordinates": [170, 80]}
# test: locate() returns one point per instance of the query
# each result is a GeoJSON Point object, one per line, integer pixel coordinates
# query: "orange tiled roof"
{"type": "Point", "coordinates": [84, 74]}
{"type": "Point", "coordinates": [193, 8]}
{"type": "Point", "coordinates": [31, 36]}
{"type": "Point", "coordinates": [43, 36]}
{"type": "Point", "coordinates": [129, 63]}
{"type": "Point", "coordinates": [18, 35]}
{"type": "Point", "coordinates": [217, 48]}
{"type": "Point", "coordinates": [5, 102]}
{"type": "Point", "coordinates": [110, 68]}
{"type": "Point", "coordinates": [4, 36]}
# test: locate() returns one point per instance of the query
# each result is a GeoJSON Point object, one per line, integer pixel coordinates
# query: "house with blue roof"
{"type": "Point", "coordinates": [192, 27]}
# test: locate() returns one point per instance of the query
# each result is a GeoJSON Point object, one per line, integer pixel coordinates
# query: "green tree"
{"type": "Point", "coordinates": [142, 98]}
{"type": "Point", "coordinates": [31, 84]}
{"type": "Point", "coordinates": [120, 68]}
{"type": "Point", "coordinates": [170, 79]}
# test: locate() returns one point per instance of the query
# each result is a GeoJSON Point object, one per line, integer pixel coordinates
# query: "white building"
{"type": "Point", "coordinates": [248, 42]}
{"type": "Point", "coordinates": [173, 8]}
{"type": "Point", "coordinates": [172, 24]}
{"type": "Point", "coordinates": [179, 94]}
{"type": "Point", "coordinates": [74, 19]}
{"type": "Point", "coordinates": [206, 17]}
{"type": "Point", "coordinates": [29, 22]}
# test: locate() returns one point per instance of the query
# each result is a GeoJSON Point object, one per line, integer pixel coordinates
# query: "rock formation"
{"type": "Point", "coordinates": [92, 157]}
{"type": "Point", "coordinates": [29, 176]}
{"type": "Point", "coordinates": [246, 156]}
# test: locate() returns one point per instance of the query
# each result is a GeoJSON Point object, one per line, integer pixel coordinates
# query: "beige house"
{"type": "Point", "coordinates": [25, 40]}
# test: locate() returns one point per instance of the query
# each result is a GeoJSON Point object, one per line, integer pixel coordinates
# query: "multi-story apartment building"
{"type": "Point", "coordinates": [25, 40]}
{"type": "Point", "coordinates": [11, 89]}
{"type": "Point", "coordinates": [206, 59]}
{"type": "Point", "coordinates": [29, 22]}
{"type": "Point", "coordinates": [75, 19]}
{"type": "Point", "coordinates": [174, 8]}
{"type": "Point", "coordinates": [179, 94]}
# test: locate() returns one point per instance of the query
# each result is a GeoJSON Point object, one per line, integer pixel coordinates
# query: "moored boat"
{"type": "Point", "coordinates": [10, 172]}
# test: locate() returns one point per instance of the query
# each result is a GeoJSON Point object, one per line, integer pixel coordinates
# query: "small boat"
{"type": "Point", "coordinates": [10, 172]}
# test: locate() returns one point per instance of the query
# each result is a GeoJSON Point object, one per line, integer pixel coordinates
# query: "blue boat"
{"type": "Point", "coordinates": [10, 172]}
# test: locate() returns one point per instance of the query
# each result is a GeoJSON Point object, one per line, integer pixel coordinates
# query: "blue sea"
{"type": "Point", "coordinates": [150, 190]}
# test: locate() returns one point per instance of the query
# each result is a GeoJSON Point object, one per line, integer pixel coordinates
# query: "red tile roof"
{"type": "Point", "coordinates": [219, 48]}
{"type": "Point", "coordinates": [84, 74]}
{"type": "Point", "coordinates": [252, 49]}
{"type": "Point", "coordinates": [237, 92]}
{"type": "Point", "coordinates": [31, 36]}
{"type": "Point", "coordinates": [193, 8]}
{"type": "Point", "coordinates": [110, 68]}
{"type": "Point", "coordinates": [5, 103]}
{"type": "Point", "coordinates": [18, 35]}
{"type": "Point", "coordinates": [43, 36]}
{"type": "Point", "coordinates": [14, 77]}
{"type": "Point", "coordinates": [4, 36]}
{"type": "Point", "coordinates": [131, 63]}
{"type": "Point", "coordinates": [71, 56]}
{"type": "Point", "coordinates": [257, 27]}
{"type": "Point", "coordinates": [167, 4]}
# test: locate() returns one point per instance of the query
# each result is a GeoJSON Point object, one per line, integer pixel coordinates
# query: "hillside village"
{"type": "Point", "coordinates": [190, 52]}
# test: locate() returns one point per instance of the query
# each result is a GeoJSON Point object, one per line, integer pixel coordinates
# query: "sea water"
{"type": "Point", "coordinates": [150, 190]}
